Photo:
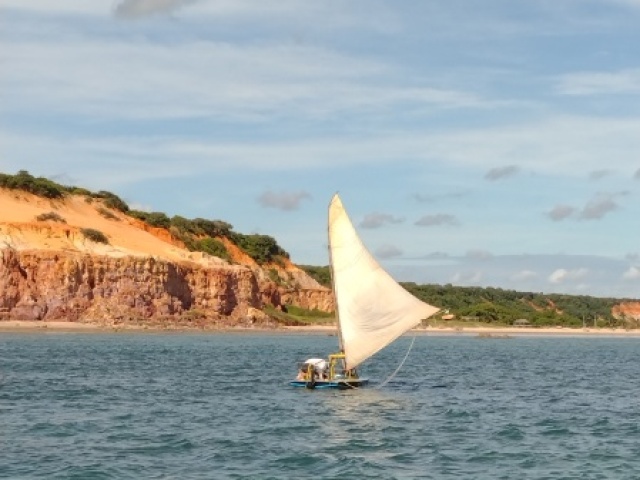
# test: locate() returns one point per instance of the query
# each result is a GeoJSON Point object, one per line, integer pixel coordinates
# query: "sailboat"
{"type": "Point", "coordinates": [372, 309]}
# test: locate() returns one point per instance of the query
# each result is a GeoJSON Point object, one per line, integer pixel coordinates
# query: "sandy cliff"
{"type": "Point", "coordinates": [628, 310]}
{"type": "Point", "coordinates": [49, 271]}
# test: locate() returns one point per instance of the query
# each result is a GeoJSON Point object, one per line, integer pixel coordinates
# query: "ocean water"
{"type": "Point", "coordinates": [217, 406]}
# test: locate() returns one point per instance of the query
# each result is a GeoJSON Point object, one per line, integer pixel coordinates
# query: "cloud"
{"type": "Point", "coordinates": [560, 212]}
{"type": "Point", "coordinates": [633, 273]}
{"type": "Point", "coordinates": [141, 207]}
{"type": "Point", "coordinates": [436, 256]}
{"type": "Point", "coordinates": [426, 198]}
{"type": "Point", "coordinates": [206, 78]}
{"type": "Point", "coordinates": [437, 219]}
{"type": "Point", "coordinates": [466, 278]}
{"type": "Point", "coordinates": [376, 220]}
{"type": "Point", "coordinates": [524, 275]}
{"type": "Point", "coordinates": [600, 83]}
{"type": "Point", "coordinates": [109, 76]}
{"type": "Point", "coordinates": [145, 8]}
{"type": "Point", "coordinates": [590, 274]}
{"type": "Point", "coordinates": [595, 209]}
{"type": "Point", "coordinates": [282, 201]}
{"type": "Point", "coordinates": [562, 275]}
{"type": "Point", "coordinates": [598, 207]}
{"type": "Point", "coordinates": [501, 172]}
{"type": "Point", "coordinates": [637, 174]}
{"type": "Point", "coordinates": [478, 255]}
{"type": "Point", "coordinates": [598, 174]}
{"type": "Point", "coordinates": [388, 251]}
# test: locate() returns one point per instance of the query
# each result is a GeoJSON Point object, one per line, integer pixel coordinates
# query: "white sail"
{"type": "Point", "coordinates": [373, 309]}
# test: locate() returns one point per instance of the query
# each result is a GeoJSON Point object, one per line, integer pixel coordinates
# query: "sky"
{"type": "Point", "coordinates": [477, 143]}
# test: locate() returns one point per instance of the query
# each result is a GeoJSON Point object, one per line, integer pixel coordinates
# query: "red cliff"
{"type": "Point", "coordinates": [50, 271]}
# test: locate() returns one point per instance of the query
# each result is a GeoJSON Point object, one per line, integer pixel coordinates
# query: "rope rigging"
{"type": "Point", "coordinates": [399, 366]}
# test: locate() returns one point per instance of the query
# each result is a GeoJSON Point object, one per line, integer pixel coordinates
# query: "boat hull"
{"type": "Point", "coordinates": [339, 384]}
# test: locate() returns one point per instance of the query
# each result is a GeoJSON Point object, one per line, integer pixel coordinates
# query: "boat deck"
{"type": "Point", "coordinates": [339, 384]}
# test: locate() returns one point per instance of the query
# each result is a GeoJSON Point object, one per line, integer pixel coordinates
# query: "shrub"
{"type": "Point", "coordinates": [155, 219]}
{"type": "Point", "coordinates": [262, 248]}
{"type": "Point", "coordinates": [187, 239]}
{"type": "Point", "coordinates": [303, 312]}
{"type": "Point", "coordinates": [94, 235]}
{"type": "Point", "coordinates": [73, 190]}
{"type": "Point", "coordinates": [53, 216]}
{"type": "Point", "coordinates": [322, 275]}
{"type": "Point", "coordinates": [212, 247]}
{"type": "Point", "coordinates": [274, 276]}
{"type": "Point", "coordinates": [108, 214]}
{"type": "Point", "coordinates": [184, 225]}
{"type": "Point", "coordinates": [40, 186]}
{"type": "Point", "coordinates": [111, 200]}
{"type": "Point", "coordinates": [213, 228]}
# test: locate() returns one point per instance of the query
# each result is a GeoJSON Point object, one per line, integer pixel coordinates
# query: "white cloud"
{"type": "Point", "coordinates": [286, 201]}
{"type": "Point", "coordinates": [466, 278]}
{"type": "Point", "coordinates": [560, 212]}
{"type": "Point", "coordinates": [478, 255]}
{"type": "Point", "coordinates": [248, 82]}
{"type": "Point", "coordinates": [377, 220]}
{"type": "Point", "coordinates": [304, 18]}
{"type": "Point", "coordinates": [600, 83]}
{"type": "Point", "coordinates": [524, 275]}
{"type": "Point", "coordinates": [501, 172]}
{"type": "Point", "coordinates": [94, 7]}
{"type": "Point", "coordinates": [388, 251]}
{"type": "Point", "coordinates": [144, 8]}
{"type": "Point", "coordinates": [436, 256]}
{"type": "Point", "coordinates": [633, 273]}
{"type": "Point", "coordinates": [591, 275]}
{"type": "Point", "coordinates": [562, 275]}
{"type": "Point", "coordinates": [430, 198]}
{"type": "Point", "coordinates": [599, 174]}
{"type": "Point", "coordinates": [436, 220]}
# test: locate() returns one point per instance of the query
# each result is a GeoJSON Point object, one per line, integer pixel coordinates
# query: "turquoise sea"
{"type": "Point", "coordinates": [217, 406]}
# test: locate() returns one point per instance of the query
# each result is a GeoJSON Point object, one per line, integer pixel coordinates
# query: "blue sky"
{"type": "Point", "coordinates": [491, 143]}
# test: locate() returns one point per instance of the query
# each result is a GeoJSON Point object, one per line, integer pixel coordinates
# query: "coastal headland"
{"type": "Point", "coordinates": [78, 258]}
{"type": "Point", "coordinates": [74, 260]}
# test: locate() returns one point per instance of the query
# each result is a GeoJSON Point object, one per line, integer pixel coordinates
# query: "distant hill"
{"type": "Point", "coordinates": [503, 307]}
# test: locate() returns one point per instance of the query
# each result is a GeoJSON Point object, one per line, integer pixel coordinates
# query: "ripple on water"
{"type": "Point", "coordinates": [202, 406]}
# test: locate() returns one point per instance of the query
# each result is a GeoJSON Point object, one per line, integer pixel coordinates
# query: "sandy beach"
{"type": "Point", "coordinates": [9, 326]}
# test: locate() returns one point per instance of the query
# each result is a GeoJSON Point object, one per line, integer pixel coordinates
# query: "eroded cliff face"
{"type": "Point", "coordinates": [628, 310]}
{"type": "Point", "coordinates": [50, 271]}
{"type": "Point", "coordinates": [49, 285]}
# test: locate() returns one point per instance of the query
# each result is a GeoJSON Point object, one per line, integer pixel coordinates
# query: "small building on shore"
{"type": "Point", "coordinates": [521, 322]}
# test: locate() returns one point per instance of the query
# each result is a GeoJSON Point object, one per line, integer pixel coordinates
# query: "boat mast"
{"type": "Point", "coordinates": [333, 277]}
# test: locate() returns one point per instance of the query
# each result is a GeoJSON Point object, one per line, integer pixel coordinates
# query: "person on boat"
{"type": "Point", "coordinates": [319, 369]}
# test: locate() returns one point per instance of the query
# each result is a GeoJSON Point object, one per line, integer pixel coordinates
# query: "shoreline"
{"type": "Point", "coordinates": [25, 326]}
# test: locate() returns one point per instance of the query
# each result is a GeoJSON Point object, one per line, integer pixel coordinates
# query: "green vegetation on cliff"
{"type": "Point", "coordinates": [504, 307]}
{"type": "Point", "coordinates": [322, 275]}
{"type": "Point", "coordinates": [23, 180]}
{"type": "Point", "coordinates": [197, 234]}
